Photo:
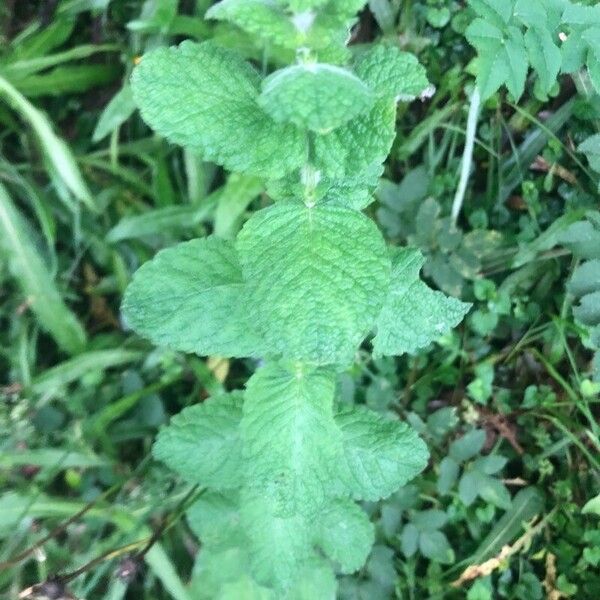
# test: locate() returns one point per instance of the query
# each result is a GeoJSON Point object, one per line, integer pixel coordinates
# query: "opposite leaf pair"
{"type": "Point", "coordinates": [289, 465]}
{"type": "Point", "coordinates": [300, 283]}
{"type": "Point", "coordinates": [339, 121]}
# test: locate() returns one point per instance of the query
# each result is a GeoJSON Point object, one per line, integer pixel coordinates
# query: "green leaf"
{"type": "Point", "coordinates": [577, 14]}
{"type": "Point", "coordinates": [492, 490]}
{"type": "Point", "coordinates": [591, 148]}
{"type": "Point", "coordinates": [216, 111]}
{"type": "Point", "coordinates": [573, 53]}
{"type": "Point", "coordinates": [588, 311]}
{"type": "Point", "coordinates": [215, 519]}
{"type": "Point", "coordinates": [492, 66]}
{"type": "Point", "coordinates": [409, 540]}
{"type": "Point", "coordinates": [202, 442]}
{"type": "Point", "coordinates": [317, 277]}
{"type": "Point", "coordinates": [467, 446]}
{"type": "Point", "coordinates": [582, 238]}
{"type": "Point", "coordinates": [117, 111]}
{"type": "Point", "coordinates": [352, 155]}
{"type": "Point", "coordinates": [592, 506]}
{"type": "Point", "coordinates": [259, 18]}
{"type": "Point", "coordinates": [448, 475]}
{"type": "Point", "coordinates": [544, 56]}
{"type": "Point", "coordinates": [516, 59]}
{"type": "Point", "coordinates": [279, 543]}
{"type": "Point", "coordinates": [497, 12]}
{"type": "Point", "coordinates": [245, 589]}
{"type": "Point", "coordinates": [56, 151]}
{"type": "Point", "coordinates": [413, 315]}
{"type": "Point", "coordinates": [392, 73]}
{"type": "Point", "coordinates": [585, 279]}
{"type": "Point", "coordinates": [346, 534]}
{"type": "Point", "coordinates": [291, 443]}
{"type": "Point", "coordinates": [319, 97]}
{"type": "Point", "coordinates": [435, 546]}
{"type": "Point", "coordinates": [191, 298]}
{"type": "Point", "coordinates": [381, 454]}
{"type": "Point", "coordinates": [593, 65]}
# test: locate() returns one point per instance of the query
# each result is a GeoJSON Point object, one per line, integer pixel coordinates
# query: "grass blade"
{"type": "Point", "coordinates": [55, 149]}
{"type": "Point", "coordinates": [35, 281]}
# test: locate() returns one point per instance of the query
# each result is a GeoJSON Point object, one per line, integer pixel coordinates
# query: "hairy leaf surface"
{"type": "Point", "coordinates": [317, 277]}
{"type": "Point", "coordinates": [191, 298]}
{"type": "Point", "coordinates": [318, 97]}
{"type": "Point", "coordinates": [413, 315]}
{"type": "Point", "coordinates": [205, 98]}
{"type": "Point", "coordinates": [381, 454]}
{"type": "Point", "coordinates": [202, 442]}
{"type": "Point", "coordinates": [291, 442]}
{"type": "Point", "coordinates": [392, 73]}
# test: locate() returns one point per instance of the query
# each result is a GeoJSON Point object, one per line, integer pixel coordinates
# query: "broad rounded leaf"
{"type": "Point", "coordinates": [413, 315]}
{"type": "Point", "coordinates": [346, 534]}
{"type": "Point", "coordinates": [380, 454]}
{"type": "Point", "coordinates": [279, 545]}
{"type": "Point", "coordinates": [205, 97]}
{"type": "Point", "coordinates": [392, 73]}
{"type": "Point", "coordinates": [319, 97]}
{"type": "Point", "coordinates": [359, 147]}
{"type": "Point", "coordinates": [316, 277]}
{"type": "Point", "coordinates": [291, 442]}
{"type": "Point", "coordinates": [190, 298]}
{"type": "Point", "coordinates": [202, 442]}
{"type": "Point", "coordinates": [261, 18]}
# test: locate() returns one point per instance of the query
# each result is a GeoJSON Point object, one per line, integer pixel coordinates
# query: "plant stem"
{"type": "Point", "coordinates": [467, 158]}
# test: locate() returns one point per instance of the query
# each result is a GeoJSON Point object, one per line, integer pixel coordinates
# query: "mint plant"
{"type": "Point", "coordinates": [306, 281]}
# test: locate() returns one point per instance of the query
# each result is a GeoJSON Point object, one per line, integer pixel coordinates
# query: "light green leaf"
{"type": "Point", "coordinates": [467, 446]}
{"type": "Point", "coordinates": [191, 298]}
{"type": "Point", "coordinates": [354, 153]}
{"type": "Point", "coordinates": [34, 279]}
{"type": "Point", "coordinates": [319, 97]}
{"type": "Point", "coordinates": [593, 65]}
{"type": "Point", "coordinates": [52, 381]}
{"type": "Point", "coordinates": [215, 519]}
{"type": "Point", "coordinates": [435, 546]}
{"type": "Point", "coordinates": [317, 277]}
{"type": "Point", "coordinates": [234, 198]}
{"type": "Point", "coordinates": [585, 279]}
{"type": "Point", "coordinates": [202, 442]}
{"type": "Point", "coordinates": [497, 12]}
{"type": "Point", "coordinates": [592, 506]}
{"type": "Point", "coordinates": [392, 73]}
{"type": "Point", "coordinates": [544, 56]}
{"type": "Point", "coordinates": [117, 111]}
{"type": "Point", "coordinates": [216, 111]}
{"type": "Point", "coordinates": [588, 310]}
{"type": "Point", "coordinates": [413, 315]}
{"type": "Point", "coordinates": [573, 53]}
{"type": "Point", "coordinates": [591, 148]}
{"type": "Point", "coordinates": [346, 534]}
{"type": "Point", "coordinates": [244, 589]}
{"type": "Point", "coordinates": [259, 18]}
{"type": "Point", "coordinates": [577, 14]}
{"type": "Point", "coordinates": [291, 443]}
{"type": "Point", "coordinates": [516, 59]}
{"type": "Point", "coordinates": [57, 152]}
{"type": "Point", "coordinates": [380, 454]}
{"type": "Point", "coordinates": [279, 544]}
{"type": "Point", "coordinates": [492, 65]}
